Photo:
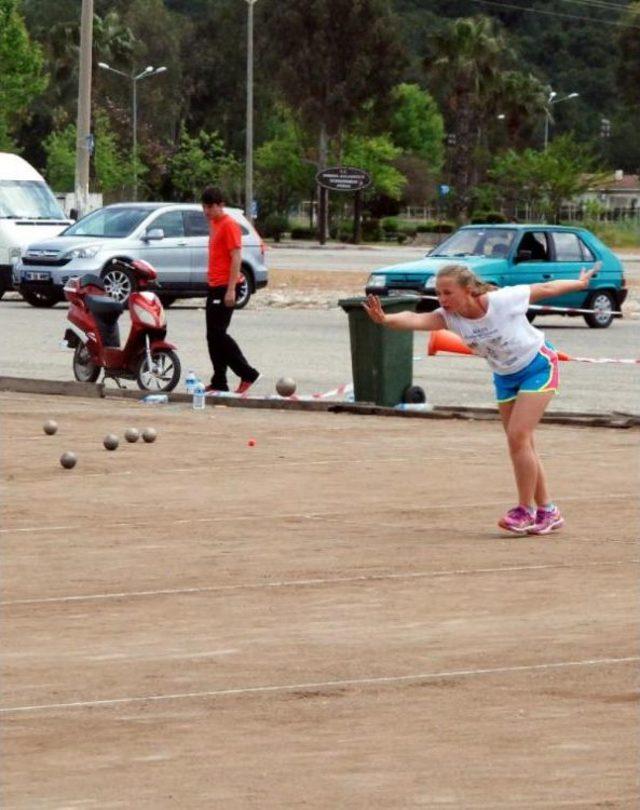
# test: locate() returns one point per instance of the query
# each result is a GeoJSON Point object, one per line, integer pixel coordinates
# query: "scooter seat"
{"type": "Point", "coordinates": [104, 305]}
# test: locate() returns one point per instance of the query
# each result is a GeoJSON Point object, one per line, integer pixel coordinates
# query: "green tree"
{"type": "Point", "coordinates": [522, 99]}
{"type": "Point", "coordinates": [541, 181]}
{"type": "Point", "coordinates": [416, 124]}
{"type": "Point", "coordinates": [628, 65]}
{"type": "Point", "coordinates": [376, 155]}
{"type": "Point", "coordinates": [21, 70]}
{"type": "Point", "coordinates": [338, 46]}
{"type": "Point", "coordinates": [465, 63]}
{"type": "Point", "coordinates": [283, 175]}
{"type": "Point", "coordinates": [201, 161]}
{"type": "Point", "coordinates": [112, 169]}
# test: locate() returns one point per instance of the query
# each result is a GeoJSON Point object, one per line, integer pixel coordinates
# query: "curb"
{"type": "Point", "coordinates": [26, 385]}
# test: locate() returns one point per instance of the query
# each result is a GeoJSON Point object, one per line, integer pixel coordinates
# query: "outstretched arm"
{"type": "Point", "coordinates": [409, 321]}
{"type": "Point", "coordinates": [550, 289]}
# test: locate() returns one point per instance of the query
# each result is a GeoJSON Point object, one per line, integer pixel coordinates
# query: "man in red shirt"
{"type": "Point", "coordinates": [225, 248]}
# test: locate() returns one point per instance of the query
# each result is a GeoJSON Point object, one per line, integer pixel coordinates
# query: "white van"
{"type": "Point", "coordinates": [28, 212]}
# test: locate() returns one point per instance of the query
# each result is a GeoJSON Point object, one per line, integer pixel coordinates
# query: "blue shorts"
{"type": "Point", "coordinates": [539, 377]}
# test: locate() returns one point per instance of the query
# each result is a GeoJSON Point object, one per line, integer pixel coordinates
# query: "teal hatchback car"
{"type": "Point", "coordinates": [518, 254]}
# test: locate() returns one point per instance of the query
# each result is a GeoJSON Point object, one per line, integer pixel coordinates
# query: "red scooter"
{"type": "Point", "coordinates": [95, 337]}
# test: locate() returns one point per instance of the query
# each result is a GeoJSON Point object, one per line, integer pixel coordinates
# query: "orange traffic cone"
{"type": "Point", "coordinates": [442, 340]}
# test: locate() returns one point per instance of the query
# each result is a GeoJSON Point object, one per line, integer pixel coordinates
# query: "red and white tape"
{"type": "Point", "coordinates": [341, 390]}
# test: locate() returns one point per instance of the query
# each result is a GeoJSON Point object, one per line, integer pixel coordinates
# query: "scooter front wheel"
{"type": "Point", "coordinates": [164, 373]}
{"type": "Point", "coordinates": [84, 369]}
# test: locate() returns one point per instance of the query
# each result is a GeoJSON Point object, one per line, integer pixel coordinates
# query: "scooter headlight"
{"type": "Point", "coordinates": [85, 252]}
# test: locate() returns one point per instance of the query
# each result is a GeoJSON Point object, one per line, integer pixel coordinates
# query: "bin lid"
{"type": "Point", "coordinates": [397, 302]}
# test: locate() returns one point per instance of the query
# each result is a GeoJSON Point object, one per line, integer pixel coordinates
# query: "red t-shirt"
{"type": "Point", "coordinates": [224, 236]}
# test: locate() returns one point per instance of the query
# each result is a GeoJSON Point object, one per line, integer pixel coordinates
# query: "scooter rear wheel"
{"type": "Point", "coordinates": [84, 369]}
{"type": "Point", "coordinates": [164, 374]}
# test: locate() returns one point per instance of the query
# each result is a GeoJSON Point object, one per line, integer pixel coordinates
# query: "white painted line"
{"type": "Point", "coordinates": [313, 515]}
{"type": "Point", "coordinates": [293, 687]}
{"type": "Point", "coordinates": [305, 583]}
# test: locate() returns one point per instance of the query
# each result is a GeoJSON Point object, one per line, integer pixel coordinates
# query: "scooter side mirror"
{"type": "Point", "coordinates": [153, 235]}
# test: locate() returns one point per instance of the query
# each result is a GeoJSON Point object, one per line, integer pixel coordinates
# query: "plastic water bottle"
{"type": "Point", "coordinates": [155, 399]}
{"type": "Point", "coordinates": [198, 396]}
{"type": "Point", "coordinates": [190, 381]}
{"type": "Point", "coordinates": [419, 407]}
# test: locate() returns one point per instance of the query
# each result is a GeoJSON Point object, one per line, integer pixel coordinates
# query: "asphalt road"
{"type": "Point", "coordinates": [312, 346]}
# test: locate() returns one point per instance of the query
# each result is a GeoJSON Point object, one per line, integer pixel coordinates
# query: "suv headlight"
{"type": "Point", "coordinates": [377, 282]}
{"type": "Point", "coordinates": [86, 252]}
{"type": "Point", "coordinates": [430, 283]}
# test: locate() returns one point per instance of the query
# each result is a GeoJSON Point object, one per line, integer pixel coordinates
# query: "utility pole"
{"type": "Point", "coordinates": [83, 123]}
{"type": "Point", "coordinates": [248, 178]}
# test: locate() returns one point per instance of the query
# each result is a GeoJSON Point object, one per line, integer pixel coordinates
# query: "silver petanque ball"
{"type": "Point", "coordinates": [286, 386]}
{"type": "Point", "coordinates": [68, 460]}
{"type": "Point", "coordinates": [50, 427]}
{"type": "Point", "coordinates": [132, 434]}
{"type": "Point", "coordinates": [149, 435]}
{"type": "Point", "coordinates": [110, 441]}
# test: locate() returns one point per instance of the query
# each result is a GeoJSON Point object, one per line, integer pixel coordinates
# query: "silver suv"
{"type": "Point", "coordinates": [173, 237]}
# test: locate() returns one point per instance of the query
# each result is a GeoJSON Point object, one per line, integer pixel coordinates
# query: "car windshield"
{"type": "Point", "coordinates": [28, 199]}
{"type": "Point", "coordinates": [110, 223]}
{"type": "Point", "coordinates": [495, 242]}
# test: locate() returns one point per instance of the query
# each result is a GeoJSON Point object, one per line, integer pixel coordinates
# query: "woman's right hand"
{"type": "Point", "coordinates": [374, 310]}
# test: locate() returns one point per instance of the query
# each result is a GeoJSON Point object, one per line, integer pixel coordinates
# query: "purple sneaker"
{"type": "Point", "coordinates": [518, 520]}
{"type": "Point", "coordinates": [547, 520]}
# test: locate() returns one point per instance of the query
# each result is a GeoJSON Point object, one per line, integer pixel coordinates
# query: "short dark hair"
{"type": "Point", "coordinates": [212, 195]}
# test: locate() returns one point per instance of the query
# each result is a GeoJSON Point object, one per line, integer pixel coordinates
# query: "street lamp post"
{"type": "Point", "coordinates": [248, 177]}
{"type": "Point", "coordinates": [547, 118]}
{"type": "Point", "coordinates": [148, 71]}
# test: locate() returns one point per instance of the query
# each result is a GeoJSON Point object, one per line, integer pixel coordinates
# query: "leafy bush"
{"type": "Point", "coordinates": [274, 226]}
{"type": "Point", "coordinates": [371, 230]}
{"type": "Point", "coordinates": [390, 225]}
{"type": "Point", "coordinates": [432, 226]}
{"type": "Point", "coordinates": [303, 233]}
{"type": "Point", "coordinates": [489, 218]}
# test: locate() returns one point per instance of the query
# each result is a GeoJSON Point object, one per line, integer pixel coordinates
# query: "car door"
{"type": "Point", "coordinates": [570, 255]}
{"type": "Point", "coordinates": [169, 255]}
{"type": "Point", "coordinates": [196, 228]}
{"type": "Point", "coordinates": [531, 260]}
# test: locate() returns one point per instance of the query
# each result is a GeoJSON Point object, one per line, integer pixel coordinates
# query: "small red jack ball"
{"type": "Point", "coordinates": [251, 442]}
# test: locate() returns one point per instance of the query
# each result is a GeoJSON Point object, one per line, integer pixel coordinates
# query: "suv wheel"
{"type": "Point", "coordinates": [41, 298]}
{"type": "Point", "coordinates": [244, 290]}
{"type": "Point", "coordinates": [604, 304]}
{"type": "Point", "coordinates": [118, 282]}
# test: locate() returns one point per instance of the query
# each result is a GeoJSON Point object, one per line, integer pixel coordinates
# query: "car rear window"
{"type": "Point", "coordinates": [570, 248]}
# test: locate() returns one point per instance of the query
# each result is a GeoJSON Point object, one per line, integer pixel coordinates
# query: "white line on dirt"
{"type": "Point", "coordinates": [309, 515]}
{"type": "Point", "coordinates": [301, 583]}
{"type": "Point", "coordinates": [293, 687]}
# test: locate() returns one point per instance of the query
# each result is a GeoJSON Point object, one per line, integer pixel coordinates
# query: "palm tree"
{"type": "Point", "coordinates": [522, 99]}
{"type": "Point", "coordinates": [464, 68]}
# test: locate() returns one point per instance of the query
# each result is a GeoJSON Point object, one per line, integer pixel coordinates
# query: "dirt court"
{"type": "Point", "coordinates": [327, 619]}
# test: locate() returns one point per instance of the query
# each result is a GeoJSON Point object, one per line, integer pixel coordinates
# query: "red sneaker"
{"type": "Point", "coordinates": [245, 385]}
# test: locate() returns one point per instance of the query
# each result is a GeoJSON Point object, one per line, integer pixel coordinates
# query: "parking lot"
{"type": "Point", "coordinates": [327, 618]}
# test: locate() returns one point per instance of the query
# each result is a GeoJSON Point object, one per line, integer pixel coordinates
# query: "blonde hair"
{"type": "Point", "coordinates": [465, 278]}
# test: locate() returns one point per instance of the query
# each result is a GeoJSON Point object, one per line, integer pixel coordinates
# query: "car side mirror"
{"type": "Point", "coordinates": [524, 255]}
{"type": "Point", "coordinates": [153, 235]}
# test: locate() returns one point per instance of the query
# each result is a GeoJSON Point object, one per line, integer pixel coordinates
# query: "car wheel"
{"type": "Point", "coordinates": [603, 304]}
{"type": "Point", "coordinates": [42, 299]}
{"type": "Point", "coordinates": [118, 282]}
{"type": "Point", "coordinates": [244, 290]}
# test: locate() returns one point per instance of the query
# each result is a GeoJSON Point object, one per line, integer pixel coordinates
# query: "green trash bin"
{"type": "Point", "coordinates": [381, 358]}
